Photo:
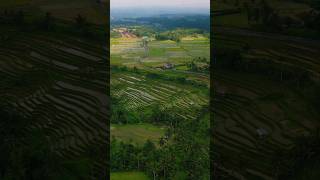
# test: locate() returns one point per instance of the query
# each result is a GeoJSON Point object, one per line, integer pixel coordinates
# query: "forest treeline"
{"type": "Point", "coordinates": [185, 142]}
{"type": "Point", "coordinates": [27, 22]}
{"type": "Point", "coordinates": [169, 22]}
{"type": "Point", "coordinates": [263, 15]}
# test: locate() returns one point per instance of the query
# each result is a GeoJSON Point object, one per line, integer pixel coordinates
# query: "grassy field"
{"type": "Point", "coordinates": [128, 176]}
{"type": "Point", "coordinates": [137, 133]}
{"type": "Point", "coordinates": [129, 52]}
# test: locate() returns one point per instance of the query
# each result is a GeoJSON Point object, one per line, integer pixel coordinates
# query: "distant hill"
{"type": "Point", "coordinates": [119, 13]}
{"type": "Point", "coordinates": [168, 21]}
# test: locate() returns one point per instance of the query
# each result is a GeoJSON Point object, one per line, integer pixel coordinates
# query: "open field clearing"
{"type": "Point", "coordinates": [59, 83]}
{"type": "Point", "coordinates": [128, 176]}
{"type": "Point", "coordinates": [137, 133]}
{"type": "Point", "coordinates": [129, 52]}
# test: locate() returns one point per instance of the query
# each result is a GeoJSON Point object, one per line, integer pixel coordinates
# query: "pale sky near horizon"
{"type": "Point", "coordinates": [160, 3]}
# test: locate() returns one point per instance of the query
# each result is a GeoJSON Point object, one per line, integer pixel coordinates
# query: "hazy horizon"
{"type": "Point", "coordinates": [129, 8]}
{"type": "Point", "coordinates": [136, 13]}
{"type": "Point", "coordinates": [197, 4]}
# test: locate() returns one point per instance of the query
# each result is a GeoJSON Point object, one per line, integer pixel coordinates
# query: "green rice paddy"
{"type": "Point", "coordinates": [137, 133]}
{"type": "Point", "coordinates": [128, 176]}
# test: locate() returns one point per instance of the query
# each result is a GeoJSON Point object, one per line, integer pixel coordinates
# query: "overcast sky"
{"type": "Point", "coordinates": [160, 3]}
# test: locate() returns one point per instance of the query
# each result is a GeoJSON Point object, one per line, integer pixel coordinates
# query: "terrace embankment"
{"type": "Point", "coordinates": [261, 106]}
{"type": "Point", "coordinates": [60, 83]}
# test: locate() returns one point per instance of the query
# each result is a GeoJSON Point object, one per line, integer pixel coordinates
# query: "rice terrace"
{"type": "Point", "coordinates": [54, 104]}
{"type": "Point", "coordinates": [160, 98]}
{"type": "Point", "coordinates": [266, 86]}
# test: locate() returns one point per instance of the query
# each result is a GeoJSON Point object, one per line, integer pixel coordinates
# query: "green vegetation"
{"type": "Point", "coordinates": [159, 110]}
{"type": "Point", "coordinates": [264, 86]}
{"type": "Point", "coordinates": [286, 17]}
{"type": "Point", "coordinates": [52, 97]}
{"type": "Point", "coordinates": [137, 133]}
{"type": "Point", "coordinates": [66, 10]}
{"type": "Point", "coordinates": [128, 176]}
{"type": "Point", "coordinates": [130, 53]}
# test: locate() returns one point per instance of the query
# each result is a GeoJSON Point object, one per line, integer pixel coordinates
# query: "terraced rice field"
{"type": "Point", "coordinates": [246, 106]}
{"type": "Point", "coordinates": [140, 86]}
{"type": "Point", "coordinates": [60, 83]}
{"type": "Point", "coordinates": [286, 50]}
{"type": "Point", "coordinates": [245, 103]}
{"type": "Point", "coordinates": [137, 92]}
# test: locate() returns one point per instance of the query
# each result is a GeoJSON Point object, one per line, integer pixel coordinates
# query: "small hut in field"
{"type": "Point", "coordinates": [168, 66]}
